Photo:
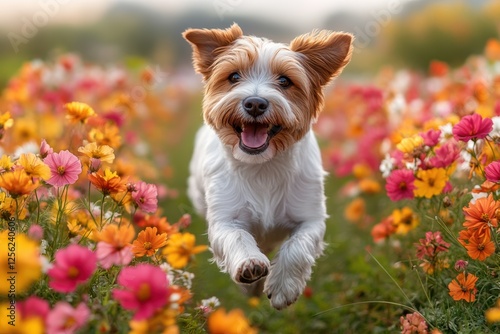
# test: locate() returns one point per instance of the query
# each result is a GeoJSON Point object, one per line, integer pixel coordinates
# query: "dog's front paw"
{"type": "Point", "coordinates": [283, 292]}
{"type": "Point", "coordinates": [252, 270]}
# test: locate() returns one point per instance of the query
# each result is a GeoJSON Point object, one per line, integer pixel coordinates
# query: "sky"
{"type": "Point", "coordinates": [15, 13]}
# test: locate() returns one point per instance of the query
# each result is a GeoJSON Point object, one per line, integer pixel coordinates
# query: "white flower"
{"type": "Point", "coordinates": [387, 165]}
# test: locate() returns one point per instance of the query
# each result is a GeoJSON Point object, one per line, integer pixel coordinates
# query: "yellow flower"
{"type": "Point", "coordinates": [25, 130]}
{"type": "Point", "coordinates": [30, 325]}
{"type": "Point", "coordinates": [180, 249]}
{"type": "Point", "coordinates": [493, 314]}
{"type": "Point", "coordinates": [9, 207]}
{"type": "Point", "coordinates": [78, 111]}
{"type": "Point", "coordinates": [34, 166]}
{"type": "Point", "coordinates": [6, 120]}
{"type": "Point", "coordinates": [410, 144]}
{"type": "Point", "coordinates": [430, 182]}
{"type": "Point", "coordinates": [369, 186]}
{"type": "Point", "coordinates": [27, 267]}
{"type": "Point", "coordinates": [108, 135]}
{"type": "Point", "coordinates": [17, 183]}
{"type": "Point", "coordinates": [5, 163]}
{"type": "Point", "coordinates": [102, 152]}
{"type": "Point", "coordinates": [404, 220]}
{"type": "Point", "coordinates": [355, 210]}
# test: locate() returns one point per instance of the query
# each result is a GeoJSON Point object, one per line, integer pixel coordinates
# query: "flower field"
{"type": "Point", "coordinates": [97, 234]}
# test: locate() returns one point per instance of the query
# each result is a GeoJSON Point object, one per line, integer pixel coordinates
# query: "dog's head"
{"type": "Point", "coordinates": [261, 97]}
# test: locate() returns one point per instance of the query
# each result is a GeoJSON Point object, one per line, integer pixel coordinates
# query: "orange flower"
{"type": "Point", "coordinates": [148, 242]}
{"type": "Point", "coordinates": [233, 322]}
{"type": "Point", "coordinates": [78, 111]}
{"type": "Point", "coordinates": [438, 68]}
{"type": "Point", "coordinates": [480, 246]}
{"type": "Point", "coordinates": [108, 135]}
{"type": "Point", "coordinates": [482, 213]}
{"type": "Point", "coordinates": [355, 210]}
{"type": "Point", "coordinates": [118, 236]}
{"type": "Point", "coordinates": [17, 183]}
{"type": "Point", "coordinates": [107, 182]}
{"type": "Point", "coordinates": [492, 49]}
{"type": "Point", "coordinates": [160, 223]}
{"type": "Point", "coordinates": [463, 287]}
{"type": "Point", "coordinates": [180, 249]}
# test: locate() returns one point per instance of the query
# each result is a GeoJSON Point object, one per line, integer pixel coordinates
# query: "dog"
{"type": "Point", "coordinates": [256, 170]}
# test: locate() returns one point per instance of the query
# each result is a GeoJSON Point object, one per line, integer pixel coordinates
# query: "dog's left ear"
{"type": "Point", "coordinates": [326, 53]}
{"type": "Point", "coordinates": [207, 43]}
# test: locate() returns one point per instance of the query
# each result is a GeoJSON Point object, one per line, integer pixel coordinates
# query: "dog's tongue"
{"type": "Point", "coordinates": [254, 135]}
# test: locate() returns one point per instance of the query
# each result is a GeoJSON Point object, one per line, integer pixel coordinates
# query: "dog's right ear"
{"type": "Point", "coordinates": [208, 43]}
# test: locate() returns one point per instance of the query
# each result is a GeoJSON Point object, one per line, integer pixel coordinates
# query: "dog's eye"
{"type": "Point", "coordinates": [234, 77]}
{"type": "Point", "coordinates": [284, 81]}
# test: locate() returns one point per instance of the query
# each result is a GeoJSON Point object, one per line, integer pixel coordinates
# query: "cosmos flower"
{"type": "Point", "coordinates": [492, 172]}
{"type": "Point", "coordinates": [481, 214]}
{"type": "Point", "coordinates": [146, 197]}
{"type": "Point", "coordinates": [64, 167]}
{"type": "Point", "coordinates": [400, 184]}
{"type": "Point", "coordinates": [73, 265]}
{"type": "Point", "coordinates": [34, 166]}
{"type": "Point", "coordinates": [148, 242]}
{"type": "Point", "coordinates": [430, 182]}
{"type": "Point", "coordinates": [404, 220]}
{"type": "Point", "coordinates": [17, 183]}
{"type": "Point", "coordinates": [463, 287]}
{"type": "Point", "coordinates": [103, 153]}
{"type": "Point", "coordinates": [144, 289]}
{"type": "Point", "coordinates": [181, 248]}
{"type": "Point", "coordinates": [114, 246]}
{"type": "Point", "coordinates": [232, 322]}
{"type": "Point", "coordinates": [78, 111]}
{"type": "Point", "coordinates": [64, 319]}
{"type": "Point", "coordinates": [472, 127]}
{"type": "Point", "coordinates": [107, 182]}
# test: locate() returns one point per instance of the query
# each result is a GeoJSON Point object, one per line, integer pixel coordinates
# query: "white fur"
{"type": "Point", "coordinates": [253, 207]}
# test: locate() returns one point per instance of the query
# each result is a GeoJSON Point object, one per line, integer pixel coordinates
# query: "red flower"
{"type": "Point", "coordinates": [472, 127]}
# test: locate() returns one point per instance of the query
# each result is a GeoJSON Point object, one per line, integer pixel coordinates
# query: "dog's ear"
{"type": "Point", "coordinates": [208, 43]}
{"type": "Point", "coordinates": [326, 53]}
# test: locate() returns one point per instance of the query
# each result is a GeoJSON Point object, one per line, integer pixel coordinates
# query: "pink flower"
{"type": "Point", "coordinates": [472, 127]}
{"type": "Point", "coordinates": [64, 168]}
{"type": "Point", "coordinates": [33, 307]}
{"type": "Point", "coordinates": [445, 155]}
{"type": "Point", "coordinates": [461, 265]}
{"type": "Point", "coordinates": [73, 265]}
{"type": "Point", "coordinates": [492, 172]}
{"type": "Point", "coordinates": [413, 323]}
{"type": "Point", "coordinates": [146, 197]}
{"type": "Point", "coordinates": [35, 232]}
{"type": "Point", "coordinates": [45, 149]}
{"type": "Point", "coordinates": [109, 255]}
{"type": "Point", "coordinates": [431, 137]}
{"type": "Point", "coordinates": [145, 290]}
{"type": "Point", "coordinates": [64, 319]}
{"type": "Point", "coordinates": [431, 246]}
{"type": "Point", "coordinates": [399, 185]}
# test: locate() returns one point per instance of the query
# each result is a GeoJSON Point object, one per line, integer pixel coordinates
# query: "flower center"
{"type": "Point", "coordinates": [485, 217]}
{"type": "Point", "coordinates": [144, 292]}
{"type": "Point", "coordinates": [73, 272]}
{"type": "Point", "coordinates": [69, 323]}
{"type": "Point", "coordinates": [147, 245]}
{"type": "Point", "coordinates": [61, 170]}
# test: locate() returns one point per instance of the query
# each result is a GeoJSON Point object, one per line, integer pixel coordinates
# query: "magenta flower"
{"type": "Point", "coordinates": [445, 156]}
{"type": "Point", "coordinates": [431, 137]}
{"type": "Point", "coordinates": [65, 168]}
{"type": "Point", "coordinates": [146, 197]}
{"type": "Point", "coordinates": [145, 290]}
{"type": "Point", "coordinates": [472, 127]}
{"type": "Point", "coordinates": [64, 319]}
{"type": "Point", "coordinates": [399, 185]}
{"type": "Point", "coordinates": [492, 172]}
{"type": "Point", "coordinates": [73, 266]}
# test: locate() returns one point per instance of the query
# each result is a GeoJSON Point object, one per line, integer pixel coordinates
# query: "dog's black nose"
{"type": "Point", "coordinates": [255, 105]}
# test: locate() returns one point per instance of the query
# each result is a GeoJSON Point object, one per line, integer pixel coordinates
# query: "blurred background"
{"type": "Point", "coordinates": [399, 32]}
{"type": "Point", "coordinates": [144, 38]}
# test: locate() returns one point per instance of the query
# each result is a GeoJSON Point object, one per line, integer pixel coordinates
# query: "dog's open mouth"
{"type": "Point", "coordinates": [255, 137]}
